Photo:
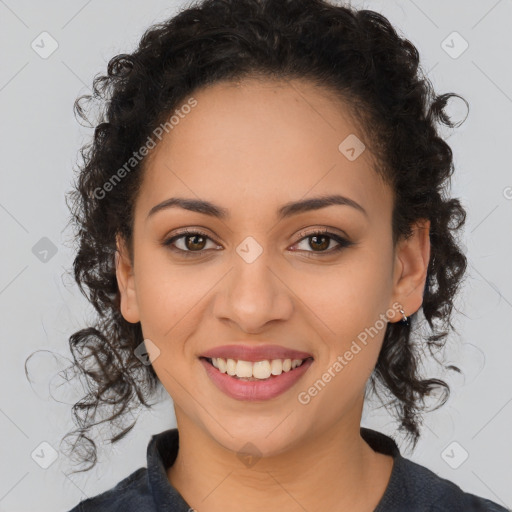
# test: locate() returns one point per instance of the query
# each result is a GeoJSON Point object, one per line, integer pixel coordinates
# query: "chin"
{"type": "Point", "coordinates": [265, 438]}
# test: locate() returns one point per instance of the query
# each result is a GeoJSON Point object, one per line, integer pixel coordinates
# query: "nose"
{"type": "Point", "coordinates": [253, 296]}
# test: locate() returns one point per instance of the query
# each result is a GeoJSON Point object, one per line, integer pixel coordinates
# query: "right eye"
{"type": "Point", "coordinates": [192, 243]}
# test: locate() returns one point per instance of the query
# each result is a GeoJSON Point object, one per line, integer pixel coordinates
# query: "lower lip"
{"type": "Point", "coordinates": [253, 390]}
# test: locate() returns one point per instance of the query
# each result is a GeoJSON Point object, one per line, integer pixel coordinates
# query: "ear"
{"type": "Point", "coordinates": [412, 257]}
{"type": "Point", "coordinates": [126, 282]}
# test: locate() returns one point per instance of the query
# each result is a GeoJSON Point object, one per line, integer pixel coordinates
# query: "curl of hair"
{"type": "Point", "coordinates": [354, 54]}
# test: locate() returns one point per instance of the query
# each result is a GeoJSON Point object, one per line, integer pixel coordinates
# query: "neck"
{"type": "Point", "coordinates": [332, 470]}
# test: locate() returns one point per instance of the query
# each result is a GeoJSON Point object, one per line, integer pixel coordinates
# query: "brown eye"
{"type": "Point", "coordinates": [189, 243]}
{"type": "Point", "coordinates": [195, 242]}
{"type": "Point", "coordinates": [320, 241]}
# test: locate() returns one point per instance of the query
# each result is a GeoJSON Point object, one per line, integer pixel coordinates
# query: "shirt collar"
{"type": "Point", "coordinates": [161, 454]}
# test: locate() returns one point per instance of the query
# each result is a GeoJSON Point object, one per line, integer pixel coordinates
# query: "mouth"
{"type": "Point", "coordinates": [253, 371]}
{"type": "Point", "coordinates": [254, 380]}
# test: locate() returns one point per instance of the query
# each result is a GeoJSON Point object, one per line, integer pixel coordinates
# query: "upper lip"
{"type": "Point", "coordinates": [255, 352]}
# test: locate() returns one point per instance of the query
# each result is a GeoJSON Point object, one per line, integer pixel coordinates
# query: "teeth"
{"type": "Point", "coordinates": [257, 370]}
{"type": "Point", "coordinates": [230, 366]}
{"type": "Point", "coordinates": [276, 367]}
{"type": "Point", "coordinates": [243, 369]}
{"type": "Point", "coordinates": [221, 364]}
{"type": "Point", "coordinates": [261, 370]}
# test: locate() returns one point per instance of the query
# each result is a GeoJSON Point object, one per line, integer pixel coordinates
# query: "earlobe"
{"type": "Point", "coordinates": [411, 266]}
{"type": "Point", "coordinates": [126, 282]}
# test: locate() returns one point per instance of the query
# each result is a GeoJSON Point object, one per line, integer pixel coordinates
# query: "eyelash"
{"type": "Point", "coordinates": [343, 242]}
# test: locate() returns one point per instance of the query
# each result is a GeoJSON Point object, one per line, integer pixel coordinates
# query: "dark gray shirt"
{"type": "Point", "coordinates": [411, 488]}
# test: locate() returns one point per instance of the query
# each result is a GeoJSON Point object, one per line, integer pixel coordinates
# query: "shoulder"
{"type": "Point", "coordinates": [415, 487]}
{"type": "Point", "coordinates": [430, 492]}
{"type": "Point", "coordinates": [130, 494]}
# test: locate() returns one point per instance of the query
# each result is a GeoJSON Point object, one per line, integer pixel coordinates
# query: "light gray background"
{"type": "Point", "coordinates": [41, 306]}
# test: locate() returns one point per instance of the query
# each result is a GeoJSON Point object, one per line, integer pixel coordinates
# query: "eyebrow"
{"type": "Point", "coordinates": [287, 210]}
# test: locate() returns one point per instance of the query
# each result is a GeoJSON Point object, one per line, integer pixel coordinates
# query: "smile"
{"type": "Point", "coordinates": [255, 380]}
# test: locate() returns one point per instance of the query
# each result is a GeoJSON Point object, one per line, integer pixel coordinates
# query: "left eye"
{"type": "Point", "coordinates": [320, 241]}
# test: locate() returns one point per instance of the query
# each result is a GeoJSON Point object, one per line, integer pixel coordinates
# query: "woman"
{"type": "Point", "coordinates": [261, 217]}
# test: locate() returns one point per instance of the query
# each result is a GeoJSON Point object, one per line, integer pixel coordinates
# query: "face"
{"type": "Point", "coordinates": [253, 271]}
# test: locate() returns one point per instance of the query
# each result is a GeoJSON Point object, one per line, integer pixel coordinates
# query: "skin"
{"type": "Point", "coordinates": [250, 147]}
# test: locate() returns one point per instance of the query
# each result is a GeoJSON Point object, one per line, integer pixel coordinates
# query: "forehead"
{"type": "Point", "coordinates": [256, 142]}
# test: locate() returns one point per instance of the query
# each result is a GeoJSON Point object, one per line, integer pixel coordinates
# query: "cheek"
{"type": "Point", "coordinates": [350, 297]}
{"type": "Point", "coordinates": [168, 296]}
{"type": "Point", "coordinates": [170, 308]}
{"type": "Point", "coordinates": [354, 323]}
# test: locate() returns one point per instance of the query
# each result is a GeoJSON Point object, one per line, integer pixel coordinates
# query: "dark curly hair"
{"type": "Point", "coordinates": [355, 54]}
